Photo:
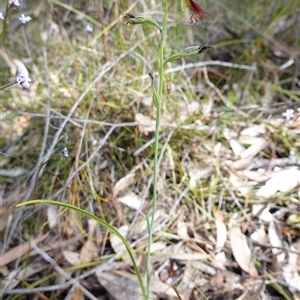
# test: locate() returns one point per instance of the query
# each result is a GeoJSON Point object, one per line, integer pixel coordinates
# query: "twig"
{"type": "Point", "coordinates": [222, 97]}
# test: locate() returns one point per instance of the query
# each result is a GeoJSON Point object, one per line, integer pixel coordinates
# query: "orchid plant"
{"type": "Point", "coordinates": [197, 15]}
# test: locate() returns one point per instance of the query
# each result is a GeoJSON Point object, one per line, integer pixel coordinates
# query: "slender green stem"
{"type": "Point", "coordinates": [156, 144]}
{"type": "Point", "coordinates": [101, 222]}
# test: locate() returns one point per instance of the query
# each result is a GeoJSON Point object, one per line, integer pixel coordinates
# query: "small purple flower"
{"type": "Point", "coordinates": [65, 152]}
{"type": "Point", "coordinates": [23, 79]}
{"type": "Point", "coordinates": [288, 114]}
{"type": "Point", "coordinates": [198, 13]}
{"type": "Point", "coordinates": [89, 28]}
{"type": "Point", "coordinates": [24, 19]}
{"type": "Point", "coordinates": [1, 16]}
{"type": "Point", "coordinates": [14, 2]}
{"type": "Point", "coordinates": [298, 109]}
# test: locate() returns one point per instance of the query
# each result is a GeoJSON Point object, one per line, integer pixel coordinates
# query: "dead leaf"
{"type": "Point", "coordinates": [19, 251]}
{"type": "Point", "coordinates": [71, 257]}
{"type": "Point", "coordinates": [217, 281]}
{"type": "Point", "coordinates": [262, 212]}
{"type": "Point", "coordinates": [241, 250]}
{"type": "Point", "coordinates": [290, 272]}
{"type": "Point", "coordinates": [283, 181]}
{"type": "Point", "coordinates": [256, 294]}
{"type": "Point", "coordinates": [132, 200]}
{"type": "Point", "coordinates": [77, 295]}
{"type": "Point", "coordinates": [276, 241]}
{"type": "Point", "coordinates": [236, 147]}
{"type": "Point", "coordinates": [158, 246]}
{"type": "Point", "coordinates": [145, 129]}
{"type": "Point", "coordinates": [220, 260]}
{"type": "Point", "coordinates": [259, 235]}
{"type": "Point", "coordinates": [256, 145]}
{"type": "Point", "coordinates": [88, 252]}
{"type": "Point", "coordinates": [115, 242]}
{"type": "Point", "coordinates": [124, 183]}
{"type": "Point", "coordinates": [52, 216]}
{"type": "Point", "coordinates": [254, 130]}
{"type": "Point", "coordinates": [221, 231]}
{"type": "Point", "coordinates": [183, 230]}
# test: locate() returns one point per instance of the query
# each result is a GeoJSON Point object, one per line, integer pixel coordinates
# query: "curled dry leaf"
{"type": "Point", "coordinates": [124, 183]}
{"type": "Point", "coordinates": [71, 257]}
{"type": "Point", "coordinates": [241, 250]}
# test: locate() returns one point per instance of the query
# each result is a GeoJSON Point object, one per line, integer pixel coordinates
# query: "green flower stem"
{"type": "Point", "coordinates": [156, 143]}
